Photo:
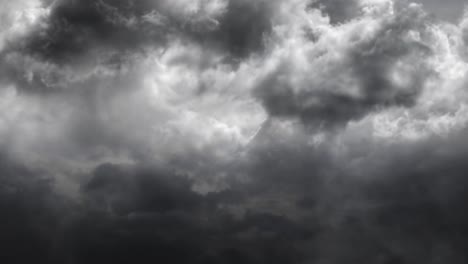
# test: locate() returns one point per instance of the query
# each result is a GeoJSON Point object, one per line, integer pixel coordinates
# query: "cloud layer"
{"type": "Point", "coordinates": [232, 131]}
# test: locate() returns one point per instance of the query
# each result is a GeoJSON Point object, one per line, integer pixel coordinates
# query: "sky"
{"type": "Point", "coordinates": [451, 10]}
{"type": "Point", "coordinates": [233, 131]}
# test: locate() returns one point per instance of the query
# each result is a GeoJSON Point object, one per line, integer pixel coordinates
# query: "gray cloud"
{"type": "Point", "coordinates": [450, 10]}
{"type": "Point", "coordinates": [397, 203]}
{"type": "Point", "coordinates": [339, 11]}
{"type": "Point", "coordinates": [82, 30]}
{"type": "Point", "coordinates": [407, 208]}
{"type": "Point", "coordinates": [372, 72]}
{"type": "Point", "coordinates": [152, 214]}
{"type": "Point", "coordinates": [215, 131]}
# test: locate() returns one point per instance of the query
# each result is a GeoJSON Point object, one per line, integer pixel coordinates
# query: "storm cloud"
{"type": "Point", "coordinates": [233, 131]}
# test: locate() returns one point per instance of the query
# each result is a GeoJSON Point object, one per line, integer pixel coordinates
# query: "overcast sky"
{"type": "Point", "coordinates": [451, 10]}
{"type": "Point", "coordinates": [233, 131]}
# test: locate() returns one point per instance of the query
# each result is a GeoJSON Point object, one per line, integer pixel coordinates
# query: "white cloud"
{"type": "Point", "coordinates": [17, 18]}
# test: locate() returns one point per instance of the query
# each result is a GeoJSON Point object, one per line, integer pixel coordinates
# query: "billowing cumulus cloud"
{"type": "Point", "coordinates": [232, 131]}
{"type": "Point", "coordinates": [352, 69]}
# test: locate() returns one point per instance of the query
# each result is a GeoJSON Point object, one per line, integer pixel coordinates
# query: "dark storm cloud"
{"type": "Point", "coordinates": [89, 28]}
{"type": "Point", "coordinates": [126, 190]}
{"type": "Point", "coordinates": [368, 65]}
{"type": "Point", "coordinates": [79, 37]}
{"type": "Point", "coordinates": [135, 214]}
{"type": "Point", "coordinates": [398, 204]}
{"type": "Point", "coordinates": [415, 206]}
{"type": "Point", "coordinates": [155, 216]}
{"type": "Point", "coordinates": [111, 154]}
{"type": "Point", "coordinates": [31, 213]}
{"type": "Point", "coordinates": [77, 28]}
{"type": "Point", "coordinates": [412, 214]}
{"type": "Point", "coordinates": [244, 26]}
